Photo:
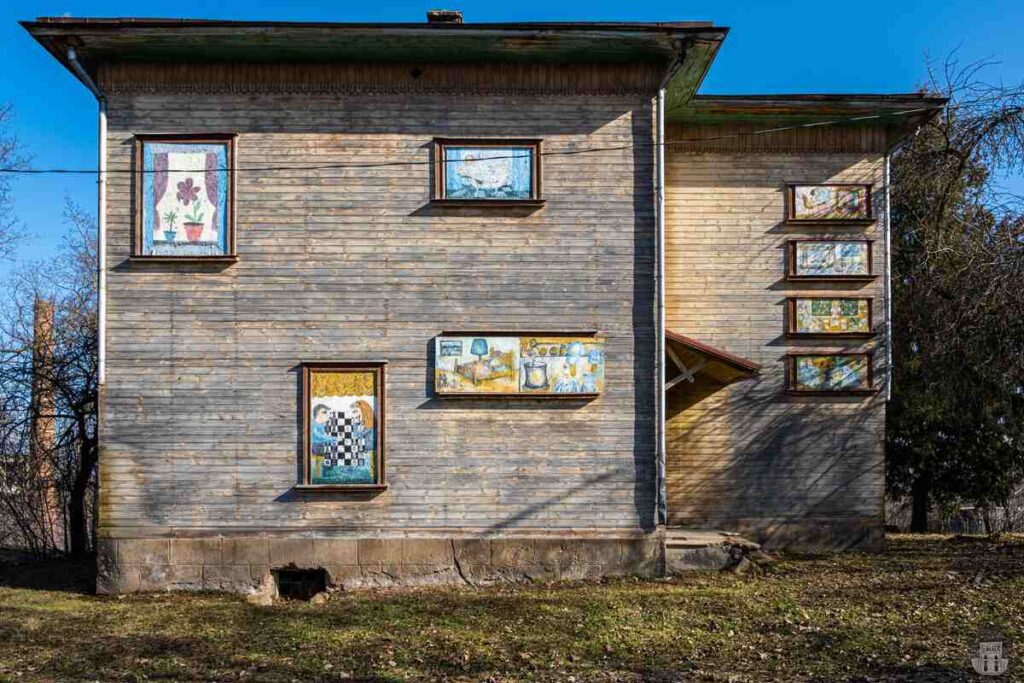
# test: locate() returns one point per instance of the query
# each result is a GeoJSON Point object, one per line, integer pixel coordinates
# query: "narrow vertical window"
{"type": "Point", "coordinates": [343, 425]}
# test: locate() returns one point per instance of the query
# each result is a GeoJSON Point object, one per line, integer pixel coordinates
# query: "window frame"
{"type": "Point", "coordinates": [379, 369]}
{"type": "Point", "coordinates": [793, 333]}
{"type": "Point", "coordinates": [793, 245]}
{"type": "Point", "coordinates": [440, 171]}
{"type": "Point", "coordinates": [791, 205]}
{"type": "Point", "coordinates": [138, 237]}
{"type": "Point", "coordinates": [793, 390]}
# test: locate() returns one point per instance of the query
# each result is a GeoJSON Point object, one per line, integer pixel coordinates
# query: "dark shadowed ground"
{"type": "Point", "coordinates": [909, 614]}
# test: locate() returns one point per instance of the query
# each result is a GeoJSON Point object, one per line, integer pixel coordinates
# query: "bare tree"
{"type": "Point", "coordinates": [10, 160]}
{"type": "Point", "coordinates": [48, 385]}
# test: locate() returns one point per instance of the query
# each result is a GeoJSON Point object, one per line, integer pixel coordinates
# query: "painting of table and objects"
{"type": "Point", "coordinates": [840, 372]}
{"type": "Point", "coordinates": [344, 421]}
{"type": "Point", "coordinates": [501, 173]}
{"type": "Point", "coordinates": [513, 365]}
{"type": "Point", "coordinates": [184, 199]}
{"type": "Point", "coordinates": [831, 316]}
{"type": "Point", "coordinates": [830, 202]}
{"type": "Point", "coordinates": [826, 258]}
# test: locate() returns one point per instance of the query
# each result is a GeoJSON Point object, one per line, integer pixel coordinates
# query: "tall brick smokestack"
{"type": "Point", "coordinates": [44, 424]}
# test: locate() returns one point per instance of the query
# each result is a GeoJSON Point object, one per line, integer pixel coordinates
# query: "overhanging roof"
{"type": "Point", "coordinates": [900, 112]}
{"type": "Point", "coordinates": [684, 49]}
{"type": "Point", "coordinates": [690, 357]}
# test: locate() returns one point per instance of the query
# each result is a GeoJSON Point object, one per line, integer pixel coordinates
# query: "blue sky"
{"type": "Point", "coordinates": [774, 47]}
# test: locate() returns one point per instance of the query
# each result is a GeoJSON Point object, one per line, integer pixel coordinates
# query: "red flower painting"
{"type": "Point", "coordinates": [187, 192]}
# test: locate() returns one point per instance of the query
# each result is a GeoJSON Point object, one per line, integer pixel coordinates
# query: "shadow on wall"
{"type": "Point", "coordinates": [754, 460]}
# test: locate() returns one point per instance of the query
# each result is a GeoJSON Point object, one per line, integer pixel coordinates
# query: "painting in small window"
{"type": "Point", "coordinates": [184, 196]}
{"type": "Point", "coordinates": [343, 415]}
{"type": "Point", "coordinates": [829, 259]}
{"type": "Point", "coordinates": [832, 317]}
{"type": "Point", "coordinates": [505, 365]}
{"type": "Point", "coordinates": [487, 171]}
{"type": "Point", "coordinates": [830, 373]}
{"type": "Point", "coordinates": [829, 203]}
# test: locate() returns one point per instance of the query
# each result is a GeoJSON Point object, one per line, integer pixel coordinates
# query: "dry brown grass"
{"type": "Point", "coordinates": [910, 613]}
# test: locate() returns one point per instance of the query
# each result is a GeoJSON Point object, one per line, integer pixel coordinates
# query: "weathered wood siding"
{"type": "Point", "coordinates": [748, 457]}
{"type": "Point", "coordinates": [200, 414]}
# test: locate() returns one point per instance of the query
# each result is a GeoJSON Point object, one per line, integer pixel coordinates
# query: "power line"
{"type": "Point", "coordinates": [567, 152]}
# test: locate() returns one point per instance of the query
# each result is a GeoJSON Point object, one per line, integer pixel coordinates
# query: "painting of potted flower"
{"type": "Point", "coordinates": [169, 232]}
{"type": "Point", "coordinates": [189, 194]}
{"type": "Point", "coordinates": [194, 222]}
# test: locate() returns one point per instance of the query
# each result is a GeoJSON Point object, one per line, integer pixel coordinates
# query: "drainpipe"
{"type": "Point", "coordinates": [101, 218]}
{"type": "Point", "coordinates": [888, 284]}
{"type": "Point", "coordinates": [659, 190]}
{"type": "Point", "coordinates": [659, 208]}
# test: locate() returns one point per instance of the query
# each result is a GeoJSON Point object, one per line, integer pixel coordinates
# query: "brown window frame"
{"type": "Point", "coordinates": [791, 205]}
{"type": "Point", "coordinates": [791, 256]}
{"type": "Point", "coordinates": [377, 367]}
{"type": "Point", "coordinates": [440, 171]}
{"type": "Point", "coordinates": [792, 332]}
{"type": "Point", "coordinates": [231, 139]}
{"type": "Point", "coordinates": [791, 387]}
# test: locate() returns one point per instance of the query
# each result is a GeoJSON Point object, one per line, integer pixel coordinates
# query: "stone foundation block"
{"type": "Point", "coordinates": [247, 551]}
{"type": "Point", "coordinates": [335, 551]}
{"type": "Point", "coordinates": [196, 551]}
{"type": "Point", "coordinates": [288, 552]}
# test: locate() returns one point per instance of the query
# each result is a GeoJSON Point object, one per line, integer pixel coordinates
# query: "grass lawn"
{"type": "Point", "coordinates": [908, 614]}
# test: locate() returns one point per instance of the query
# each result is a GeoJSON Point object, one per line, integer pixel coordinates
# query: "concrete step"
{"type": "Point", "coordinates": [688, 550]}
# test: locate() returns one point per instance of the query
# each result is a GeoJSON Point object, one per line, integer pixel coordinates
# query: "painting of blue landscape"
{"type": "Point", "coordinates": [488, 172]}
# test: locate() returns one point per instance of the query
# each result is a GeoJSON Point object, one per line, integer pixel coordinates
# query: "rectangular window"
{"type": "Point", "coordinates": [829, 317]}
{"type": "Point", "coordinates": [827, 259]}
{"type": "Point", "coordinates": [543, 364]}
{"type": "Point", "coordinates": [487, 171]}
{"type": "Point", "coordinates": [829, 373]}
{"type": "Point", "coordinates": [184, 196]}
{"type": "Point", "coordinates": [343, 425]}
{"type": "Point", "coordinates": [828, 203]}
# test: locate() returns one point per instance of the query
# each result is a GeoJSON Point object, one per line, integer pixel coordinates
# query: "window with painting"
{"type": "Point", "coordinates": [184, 192]}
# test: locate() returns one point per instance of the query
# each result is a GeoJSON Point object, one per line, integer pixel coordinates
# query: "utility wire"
{"type": "Point", "coordinates": [567, 152]}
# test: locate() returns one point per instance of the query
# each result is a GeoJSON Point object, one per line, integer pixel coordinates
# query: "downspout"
{"type": "Point", "coordinates": [888, 283]}
{"type": "Point", "coordinates": [101, 219]}
{"type": "Point", "coordinates": [659, 209]}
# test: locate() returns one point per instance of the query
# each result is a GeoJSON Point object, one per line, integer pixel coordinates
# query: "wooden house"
{"type": "Point", "coordinates": [454, 302]}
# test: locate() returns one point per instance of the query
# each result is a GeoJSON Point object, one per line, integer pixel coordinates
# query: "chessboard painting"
{"type": "Point", "coordinates": [343, 425]}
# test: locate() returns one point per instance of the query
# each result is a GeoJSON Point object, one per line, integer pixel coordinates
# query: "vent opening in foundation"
{"type": "Point", "coordinates": [300, 584]}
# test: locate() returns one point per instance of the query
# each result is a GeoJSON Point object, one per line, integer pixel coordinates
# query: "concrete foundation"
{"type": "Point", "coordinates": [245, 564]}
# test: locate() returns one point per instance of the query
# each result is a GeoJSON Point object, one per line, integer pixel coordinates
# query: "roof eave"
{"type": "Point", "coordinates": [900, 113]}
{"type": "Point", "coordinates": [98, 40]}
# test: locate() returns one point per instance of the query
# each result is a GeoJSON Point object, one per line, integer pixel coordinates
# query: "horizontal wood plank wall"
{"type": "Point", "coordinates": [200, 428]}
{"type": "Point", "coordinates": [748, 457]}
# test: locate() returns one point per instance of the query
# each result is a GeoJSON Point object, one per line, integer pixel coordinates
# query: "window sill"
{"type": "Point", "coordinates": [143, 258]}
{"type": "Point", "coordinates": [830, 221]}
{"type": "Point", "coordinates": [340, 488]}
{"type": "Point", "coordinates": [825, 336]}
{"type": "Point", "coordinates": [480, 203]}
{"type": "Point", "coordinates": [839, 392]}
{"type": "Point", "coordinates": [831, 278]}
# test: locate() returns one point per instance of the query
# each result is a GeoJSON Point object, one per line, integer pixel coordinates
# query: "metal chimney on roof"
{"type": "Point", "coordinates": [444, 16]}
